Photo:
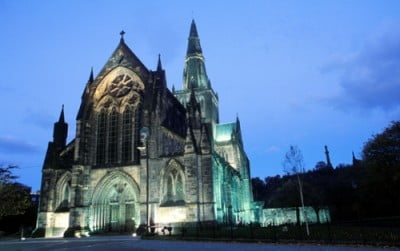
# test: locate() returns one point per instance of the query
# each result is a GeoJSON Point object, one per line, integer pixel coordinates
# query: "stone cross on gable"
{"type": "Point", "coordinates": [122, 33]}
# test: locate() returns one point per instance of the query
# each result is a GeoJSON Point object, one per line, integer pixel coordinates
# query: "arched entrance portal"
{"type": "Point", "coordinates": [115, 205]}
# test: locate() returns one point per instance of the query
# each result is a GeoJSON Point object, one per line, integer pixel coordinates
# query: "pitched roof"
{"type": "Point", "coordinates": [122, 56]}
{"type": "Point", "coordinates": [224, 132]}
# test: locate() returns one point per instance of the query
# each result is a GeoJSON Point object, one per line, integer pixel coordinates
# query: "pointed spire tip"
{"type": "Point", "coordinates": [193, 29]}
{"type": "Point", "coordinates": [91, 78]}
{"type": "Point", "coordinates": [159, 66]}
{"type": "Point", "coordinates": [61, 119]}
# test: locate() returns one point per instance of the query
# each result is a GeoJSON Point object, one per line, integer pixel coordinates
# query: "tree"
{"type": "Point", "coordinates": [321, 165]}
{"type": "Point", "coordinates": [258, 189]}
{"type": "Point", "coordinates": [293, 163]}
{"type": "Point", "coordinates": [14, 196]}
{"type": "Point", "coordinates": [381, 182]}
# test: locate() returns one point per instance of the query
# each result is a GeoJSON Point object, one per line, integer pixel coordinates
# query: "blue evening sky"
{"type": "Point", "coordinates": [307, 73]}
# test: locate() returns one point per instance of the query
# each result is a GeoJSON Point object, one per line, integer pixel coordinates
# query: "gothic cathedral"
{"type": "Point", "coordinates": [144, 155]}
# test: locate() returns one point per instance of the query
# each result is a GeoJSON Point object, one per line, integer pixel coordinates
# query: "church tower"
{"type": "Point", "coordinates": [195, 76]}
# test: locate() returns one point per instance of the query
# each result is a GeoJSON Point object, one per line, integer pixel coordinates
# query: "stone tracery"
{"type": "Point", "coordinates": [173, 184]}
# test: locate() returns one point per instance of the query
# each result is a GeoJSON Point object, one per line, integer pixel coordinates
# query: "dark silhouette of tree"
{"type": "Point", "coordinates": [321, 165]}
{"type": "Point", "coordinates": [368, 188]}
{"type": "Point", "coordinates": [14, 197]}
{"type": "Point", "coordinates": [259, 189]}
{"type": "Point", "coordinates": [337, 189]}
{"type": "Point", "coordinates": [381, 181]}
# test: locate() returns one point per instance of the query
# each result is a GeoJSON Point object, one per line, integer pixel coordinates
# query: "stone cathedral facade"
{"type": "Point", "coordinates": [145, 155]}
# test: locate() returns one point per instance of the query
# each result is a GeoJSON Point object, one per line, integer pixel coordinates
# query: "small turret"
{"type": "Point", "coordinates": [60, 132]}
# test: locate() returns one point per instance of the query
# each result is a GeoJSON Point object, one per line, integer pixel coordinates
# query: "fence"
{"type": "Point", "coordinates": [326, 233]}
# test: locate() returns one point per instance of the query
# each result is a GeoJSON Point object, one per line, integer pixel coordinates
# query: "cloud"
{"type": "Point", "coordinates": [11, 145]}
{"type": "Point", "coordinates": [371, 78]}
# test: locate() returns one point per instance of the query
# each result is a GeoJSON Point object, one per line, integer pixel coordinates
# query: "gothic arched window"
{"type": "Point", "coordinates": [101, 137]}
{"type": "Point", "coordinates": [127, 135]}
{"type": "Point", "coordinates": [173, 188]}
{"type": "Point", "coordinates": [113, 137]}
{"type": "Point", "coordinates": [64, 193]}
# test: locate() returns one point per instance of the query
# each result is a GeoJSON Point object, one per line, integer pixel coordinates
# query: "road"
{"type": "Point", "coordinates": [110, 243]}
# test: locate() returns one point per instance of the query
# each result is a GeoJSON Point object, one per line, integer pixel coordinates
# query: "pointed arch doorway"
{"type": "Point", "coordinates": [115, 205]}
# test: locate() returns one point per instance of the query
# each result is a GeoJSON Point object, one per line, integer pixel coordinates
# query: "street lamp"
{"type": "Point", "coordinates": [144, 133]}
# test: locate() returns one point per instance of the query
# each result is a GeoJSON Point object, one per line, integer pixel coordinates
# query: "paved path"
{"type": "Point", "coordinates": [110, 243]}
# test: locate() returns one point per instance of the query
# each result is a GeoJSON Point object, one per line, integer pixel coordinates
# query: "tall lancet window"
{"type": "Point", "coordinates": [113, 137]}
{"type": "Point", "coordinates": [180, 196]}
{"type": "Point", "coordinates": [170, 189]}
{"type": "Point", "coordinates": [127, 135]}
{"type": "Point", "coordinates": [101, 137]}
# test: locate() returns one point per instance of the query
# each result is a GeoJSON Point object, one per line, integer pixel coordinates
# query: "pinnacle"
{"type": "Point", "coordinates": [61, 119]}
{"type": "Point", "coordinates": [159, 66]}
{"type": "Point", "coordinates": [91, 78]}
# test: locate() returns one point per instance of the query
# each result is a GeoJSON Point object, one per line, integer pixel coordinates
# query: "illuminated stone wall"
{"type": "Point", "coordinates": [282, 216]}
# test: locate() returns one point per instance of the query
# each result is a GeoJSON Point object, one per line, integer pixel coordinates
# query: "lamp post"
{"type": "Point", "coordinates": [144, 132]}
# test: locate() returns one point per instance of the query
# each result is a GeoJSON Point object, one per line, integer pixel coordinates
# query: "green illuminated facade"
{"type": "Point", "coordinates": [190, 169]}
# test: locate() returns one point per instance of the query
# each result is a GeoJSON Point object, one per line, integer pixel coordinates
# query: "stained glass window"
{"type": "Point", "coordinates": [113, 137]}
{"type": "Point", "coordinates": [101, 137]}
{"type": "Point", "coordinates": [127, 135]}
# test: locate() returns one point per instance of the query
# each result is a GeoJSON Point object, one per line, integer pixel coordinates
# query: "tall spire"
{"type": "Point", "coordinates": [194, 74]}
{"type": "Point", "coordinates": [193, 29]}
{"type": "Point", "coordinates": [194, 41]}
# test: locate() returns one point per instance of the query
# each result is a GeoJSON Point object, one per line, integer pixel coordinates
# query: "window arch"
{"type": "Point", "coordinates": [66, 195]}
{"type": "Point", "coordinates": [173, 188]}
{"type": "Point", "coordinates": [101, 137]}
{"type": "Point", "coordinates": [63, 192]}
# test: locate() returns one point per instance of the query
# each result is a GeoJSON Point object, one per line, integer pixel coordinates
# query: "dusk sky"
{"type": "Point", "coordinates": [305, 73]}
